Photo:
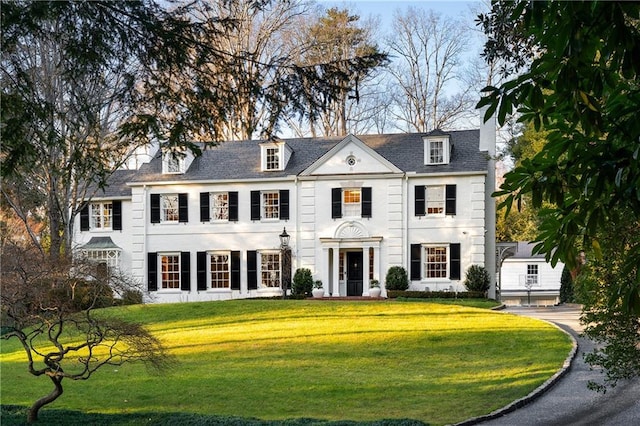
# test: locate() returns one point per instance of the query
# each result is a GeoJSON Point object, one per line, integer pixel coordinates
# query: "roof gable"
{"type": "Point", "coordinates": [350, 156]}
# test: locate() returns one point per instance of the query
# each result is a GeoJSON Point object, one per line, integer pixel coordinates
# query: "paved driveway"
{"type": "Point", "coordinates": [569, 402]}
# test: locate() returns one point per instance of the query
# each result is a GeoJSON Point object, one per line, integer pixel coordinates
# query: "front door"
{"type": "Point", "coordinates": [354, 273]}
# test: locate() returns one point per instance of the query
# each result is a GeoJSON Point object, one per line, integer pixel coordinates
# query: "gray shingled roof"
{"type": "Point", "coordinates": [241, 160]}
{"type": "Point", "coordinates": [117, 185]}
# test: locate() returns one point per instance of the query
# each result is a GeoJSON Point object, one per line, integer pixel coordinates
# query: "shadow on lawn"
{"type": "Point", "coordinates": [13, 415]}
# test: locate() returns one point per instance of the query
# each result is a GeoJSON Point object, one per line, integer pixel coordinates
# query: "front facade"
{"type": "Point", "coordinates": [207, 228]}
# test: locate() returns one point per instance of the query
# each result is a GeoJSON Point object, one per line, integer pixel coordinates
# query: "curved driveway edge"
{"type": "Point", "coordinates": [536, 392]}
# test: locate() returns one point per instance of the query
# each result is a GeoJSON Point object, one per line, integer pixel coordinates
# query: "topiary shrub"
{"type": "Point", "coordinates": [566, 286]}
{"type": "Point", "coordinates": [397, 278]}
{"type": "Point", "coordinates": [477, 278]}
{"type": "Point", "coordinates": [302, 282]}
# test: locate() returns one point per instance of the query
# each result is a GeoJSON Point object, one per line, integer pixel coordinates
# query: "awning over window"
{"type": "Point", "coordinates": [100, 243]}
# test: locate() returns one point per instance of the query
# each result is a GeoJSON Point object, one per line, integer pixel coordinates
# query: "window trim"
{"type": "Point", "coordinates": [354, 209]}
{"type": "Point", "coordinates": [92, 215]}
{"type": "Point", "coordinates": [262, 255]}
{"type": "Point", "coordinates": [161, 272]}
{"type": "Point", "coordinates": [212, 206]}
{"type": "Point", "coordinates": [164, 209]}
{"type": "Point", "coordinates": [169, 159]}
{"type": "Point", "coordinates": [441, 202]}
{"type": "Point", "coordinates": [210, 255]}
{"type": "Point", "coordinates": [446, 262]}
{"type": "Point", "coordinates": [446, 150]}
{"type": "Point", "coordinates": [273, 207]}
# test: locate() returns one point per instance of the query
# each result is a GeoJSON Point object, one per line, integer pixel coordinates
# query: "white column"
{"type": "Point", "coordinates": [365, 270]}
{"type": "Point", "coordinates": [336, 272]}
{"type": "Point", "coordinates": [326, 270]}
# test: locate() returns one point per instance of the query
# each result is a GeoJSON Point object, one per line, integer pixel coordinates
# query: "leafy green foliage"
{"type": "Point", "coordinates": [604, 286]}
{"type": "Point", "coordinates": [566, 286]}
{"type": "Point", "coordinates": [302, 282]}
{"type": "Point", "coordinates": [578, 81]}
{"type": "Point", "coordinates": [397, 278]}
{"type": "Point", "coordinates": [477, 279]}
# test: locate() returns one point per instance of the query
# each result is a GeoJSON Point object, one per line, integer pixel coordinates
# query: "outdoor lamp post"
{"type": "Point", "coordinates": [285, 255]}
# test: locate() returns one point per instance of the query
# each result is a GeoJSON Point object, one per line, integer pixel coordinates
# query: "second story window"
{"type": "Point", "coordinates": [273, 159]}
{"type": "Point", "coordinates": [270, 205]}
{"type": "Point", "coordinates": [169, 208]}
{"type": "Point", "coordinates": [101, 215]}
{"type": "Point", "coordinates": [219, 206]}
{"type": "Point", "coordinates": [351, 202]}
{"type": "Point", "coordinates": [434, 199]}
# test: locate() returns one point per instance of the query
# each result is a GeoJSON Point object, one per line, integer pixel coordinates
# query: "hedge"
{"type": "Point", "coordinates": [393, 294]}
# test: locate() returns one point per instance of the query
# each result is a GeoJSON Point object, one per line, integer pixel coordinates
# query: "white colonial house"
{"type": "Point", "coordinates": [207, 228]}
{"type": "Point", "coordinates": [528, 279]}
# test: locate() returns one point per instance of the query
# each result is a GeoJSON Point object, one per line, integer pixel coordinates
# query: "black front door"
{"type": "Point", "coordinates": [354, 273]}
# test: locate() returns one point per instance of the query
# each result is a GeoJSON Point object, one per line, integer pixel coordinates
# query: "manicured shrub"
{"type": "Point", "coordinates": [394, 294]}
{"type": "Point", "coordinates": [566, 286]}
{"type": "Point", "coordinates": [477, 278]}
{"type": "Point", "coordinates": [397, 278]}
{"type": "Point", "coordinates": [302, 282]}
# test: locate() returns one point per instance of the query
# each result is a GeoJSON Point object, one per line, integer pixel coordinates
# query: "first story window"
{"type": "Point", "coordinates": [435, 262]}
{"type": "Point", "coordinates": [108, 259]}
{"type": "Point", "coordinates": [532, 275]}
{"type": "Point", "coordinates": [170, 271]}
{"type": "Point", "coordinates": [219, 270]}
{"type": "Point", "coordinates": [270, 270]}
{"type": "Point", "coordinates": [101, 215]}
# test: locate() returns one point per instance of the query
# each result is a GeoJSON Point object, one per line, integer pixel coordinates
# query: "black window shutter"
{"type": "Point", "coordinates": [152, 271]}
{"type": "Point", "coordinates": [255, 205]}
{"type": "Point", "coordinates": [454, 262]}
{"type": "Point", "coordinates": [155, 208]}
{"type": "Point", "coordinates": [419, 201]}
{"type": "Point", "coordinates": [204, 207]}
{"type": "Point", "coordinates": [117, 215]}
{"type": "Point", "coordinates": [366, 202]}
{"type": "Point", "coordinates": [201, 270]}
{"type": "Point", "coordinates": [185, 271]}
{"type": "Point", "coordinates": [450, 200]}
{"type": "Point", "coordinates": [183, 208]}
{"type": "Point", "coordinates": [336, 203]}
{"type": "Point", "coordinates": [252, 269]}
{"type": "Point", "coordinates": [235, 270]}
{"type": "Point", "coordinates": [416, 262]}
{"type": "Point", "coordinates": [284, 204]}
{"type": "Point", "coordinates": [84, 218]}
{"type": "Point", "coordinates": [233, 206]}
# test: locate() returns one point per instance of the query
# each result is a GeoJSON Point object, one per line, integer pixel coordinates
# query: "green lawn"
{"type": "Point", "coordinates": [274, 360]}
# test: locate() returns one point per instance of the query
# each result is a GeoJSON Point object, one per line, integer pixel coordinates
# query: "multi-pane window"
{"type": "Point", "coordinates": [342, 269]}
{"type": "Point", "coordinates": [170, 267]}
{"type": "Point", "coordinates": [219, 267]}
{"type": "Point", "coordinates": [434, 199]}
{"type": "Point", "coordinates": [271, 205]}
{"type": "Point", "coordinates": [270, 269]}
{"type": "Point", "coordinates": [532, 275]}
{"type": "Point", "coordinates": [436, 152]}
{"type": "Point", "coordinates": [110, 258]}
{"type": "Point", "coordinates": [219, 203]}
{"type": "Point", "coordinates": [351, 200]}
{"type": "Point", "coordinates": [169, 208]}
{"type": "Point", "coordinates": [173, 163]}
{"type": "Point", "coordinates": [273, 159]}
{"type": "Point", "coordinates": [101, 215]}
{"type": "Point", "coordinates": [435, 262]}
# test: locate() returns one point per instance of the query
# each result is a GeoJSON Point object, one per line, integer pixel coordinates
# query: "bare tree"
{"type": "Point", "coordinates": [51, 308]}
{"type": "Point", "coordinates": [426, 85]}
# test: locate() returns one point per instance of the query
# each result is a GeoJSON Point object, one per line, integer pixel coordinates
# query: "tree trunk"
{"type": "Point", "coordinates": [32, 416]}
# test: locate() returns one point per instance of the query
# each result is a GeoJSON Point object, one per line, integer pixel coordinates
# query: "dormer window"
{"type": "Point", "coordinates": [275, 156]}
{"type": "Point", "coordinates": [436, 150]}
{"type": "Point", "coordinates": [273, 159]}
{"type": "Point", "coordinates": [173, 163]}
